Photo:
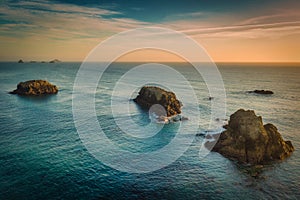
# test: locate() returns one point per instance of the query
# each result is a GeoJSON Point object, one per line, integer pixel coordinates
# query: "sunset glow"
{"type": "Point", "coordinates": [264, 31]}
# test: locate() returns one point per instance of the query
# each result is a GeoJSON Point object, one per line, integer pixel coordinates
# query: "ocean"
{"type": "Point", "coordinates": [44, 157]}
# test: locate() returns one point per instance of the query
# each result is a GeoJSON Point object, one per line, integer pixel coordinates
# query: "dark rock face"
{"type": "Point", "coordinates": [247, 140]}
{"type": "Point", "coordinates": [20, 61]}
{"type": "Point", "coordinates": [151, 95]}
{"type": "Point", "coordinates": [35, 87]}
{"type": "Point", "coordinates": [261, 92]}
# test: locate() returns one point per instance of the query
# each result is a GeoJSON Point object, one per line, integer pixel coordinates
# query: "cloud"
{"type": "Point", "coordinates": [247, 31]}
{"type": "Point", "coordinates": [274, 25]}
{"type": "Point", "coordinates": [60, 21]}
{"type": "Point", "coordinates": [187, 16]}
{"type": "Point", "coordinates": [48, 6]}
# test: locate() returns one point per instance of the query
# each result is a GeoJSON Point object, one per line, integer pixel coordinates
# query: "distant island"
{"type": "Point", "coordinates": [33, 61]}
{"type": "Point", "coordinates": [55, 61]}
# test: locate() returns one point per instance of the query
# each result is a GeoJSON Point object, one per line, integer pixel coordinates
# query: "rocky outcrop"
{"type": "Point", "coordinates": [20, 61]}
{"type": "Point", "coordinates": [247, 140]}
{"type": "Point", "coordinates": [151, 95]}
{"type": "Point", "coordinates": [261, 92]}
{"type": "Point", "coordinates": [35, 87]}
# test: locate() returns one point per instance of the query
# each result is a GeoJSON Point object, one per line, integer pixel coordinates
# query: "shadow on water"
{"type": "Point", "coordinates": [142, 114]}
{"type": "Point", "coordinates": [37, 99]}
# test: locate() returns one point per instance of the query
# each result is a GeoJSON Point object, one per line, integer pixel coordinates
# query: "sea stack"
{"type": "Point", "coordinates": [151, 95]}
{"type": "Point", "coordinates": [35, 88]}
{"type": "Point", "coordinates": [247, 140]}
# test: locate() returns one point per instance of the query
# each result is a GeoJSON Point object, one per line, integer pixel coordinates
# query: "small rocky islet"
{"type": "Point", "coordinates": [170, 106]}
{"type": "Point", "coordinates": [35, 88]}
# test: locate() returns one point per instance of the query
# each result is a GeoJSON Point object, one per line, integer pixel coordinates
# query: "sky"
{"type": "Point", "coordinates": [230, 31]}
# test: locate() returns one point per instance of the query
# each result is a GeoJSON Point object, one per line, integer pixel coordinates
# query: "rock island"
{"type": "Point", "coordinates": [152, 95]}
{"type": "Point", "coordinates": [35, 88]}
{"type": "Point", "coordinates": [247, 140]}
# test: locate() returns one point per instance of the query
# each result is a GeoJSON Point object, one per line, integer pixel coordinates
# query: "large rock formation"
{"type": "Point", "coordinates": [35, 87]}
{"type": "Point", "coordinates": [151, 95]}
{"type": "Point", "coordinates": [247, 140]}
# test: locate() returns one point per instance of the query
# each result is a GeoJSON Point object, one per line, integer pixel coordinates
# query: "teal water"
{"type": "Point", "coordinates": [42, 156]}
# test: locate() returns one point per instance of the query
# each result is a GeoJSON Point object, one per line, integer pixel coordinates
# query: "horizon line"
{"type": "Point", "coordinates": [220, 62]}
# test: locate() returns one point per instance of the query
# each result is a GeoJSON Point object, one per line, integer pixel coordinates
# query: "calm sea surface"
{"type": "Point", "coordinates": [42, 156]}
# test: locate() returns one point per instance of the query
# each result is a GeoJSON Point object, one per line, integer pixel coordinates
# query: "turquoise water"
{"type": "Point", "coordinates": [42, 156]}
